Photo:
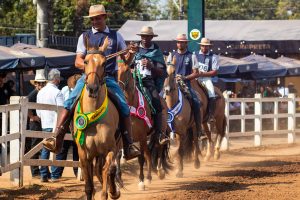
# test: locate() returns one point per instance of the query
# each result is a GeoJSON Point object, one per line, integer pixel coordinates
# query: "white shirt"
{"type": "Point", "coordinates": [66, 92]}
{"type": "Point", "coordinates": [49, 94]}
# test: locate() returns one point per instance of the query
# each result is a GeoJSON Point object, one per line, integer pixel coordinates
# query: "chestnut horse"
{"type": "Point", "coordinates": [96, 140]}
{"type": "Point", "coordinates": [156, 155]}
{"type": "Point", "coordinates": [182, 119]}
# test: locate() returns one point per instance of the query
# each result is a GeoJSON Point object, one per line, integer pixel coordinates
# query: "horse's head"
{"type": "Point", "coordinates": [94, 68]}
{"type": "Point", "coordinates": [170, 81]}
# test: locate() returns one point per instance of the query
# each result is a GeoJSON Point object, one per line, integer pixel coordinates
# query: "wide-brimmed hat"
{"type": "Point", "coordinates": [181, 37]}
{"type": "Point", "coordinates": [96, 10]}
{"type": "Point", "coordinates": [205, 42]}
{"type": "Point", "coordinates": [39, 77]}
{"type": "Point", "coordinates": [147, 30]}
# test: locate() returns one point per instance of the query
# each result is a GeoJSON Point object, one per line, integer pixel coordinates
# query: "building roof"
{"type": "Point", "coordinates": [223, 30]}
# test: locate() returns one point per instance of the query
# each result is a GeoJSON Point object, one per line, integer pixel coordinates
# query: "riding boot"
{"type": "Point", "coordinates": [211, 109]}
{"type": "Point", "coordinates": [162, 137]}
{"type": "Point", "coordinates": [130, 150]}
{"type": "Point", "coordinates": [54, 144]}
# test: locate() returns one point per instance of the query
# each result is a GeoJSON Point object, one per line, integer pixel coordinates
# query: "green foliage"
{"type": "Point", "coordinates": [17, 17]}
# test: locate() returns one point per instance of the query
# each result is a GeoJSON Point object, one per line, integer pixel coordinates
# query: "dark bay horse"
{"type": "Point", "coordinates": [220, 119]}
{"type": "Point", "coordinates": [183, 121]}
{"type": "Point", "coordinates": [96, 120]}
{"type": "Point", "coordinates": [156, 155]}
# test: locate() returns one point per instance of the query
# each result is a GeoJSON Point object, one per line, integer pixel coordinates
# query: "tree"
{"type": "Point", "coordinates": [288, 9]}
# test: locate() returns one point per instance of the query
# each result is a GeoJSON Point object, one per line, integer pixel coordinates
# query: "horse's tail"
{"type": "Point", "coordinates": [159, 152]}
{"type": "Point", "coordinates": [188, 145]}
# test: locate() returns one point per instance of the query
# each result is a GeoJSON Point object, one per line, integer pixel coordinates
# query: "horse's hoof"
{"type": "Point", "coordinates": [179, 175]}
{"type": "Point", "coordinates": [197, 164]}
{"type": "Point", "coordinates": [161, 174]}
{"type": "Point", "coordinates": [148, 182]}
{"type": "Point", "coordinates": [141, 186]}
{"type": "Point", "coordinates": [116, 195]}
{"type": "Point", "coordinates": [104, 195]}
{"type": "Point", "coordinates": [206, 158]}
{"type": "Point", "coordinates": [217, 156]}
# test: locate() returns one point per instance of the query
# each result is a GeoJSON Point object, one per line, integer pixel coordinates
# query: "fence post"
{"type": "Point", "coordinates": [276, 111]}
{"type": "Point", "coordinates": [23, 126]}
{"type": "Point", "coordinates": [225, 141]}
{"type": "Point", "coordinates": [257, 121]}
{"type": "Point", "coordinates": [291, 119]}
{"type": "Point", "coordinates": [14, 126]}
{"type": "Point", "coordinates": [4, 144]}
{"type": "Point", "coordinates": [243, 113]}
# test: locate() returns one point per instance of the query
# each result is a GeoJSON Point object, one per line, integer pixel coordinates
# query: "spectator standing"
{"type": "Point", "coordinates": [67, 144]}
{"type": "Point", "coordinates": [50, 94]}
{"type": "Point", "coordinates": [34, 122]}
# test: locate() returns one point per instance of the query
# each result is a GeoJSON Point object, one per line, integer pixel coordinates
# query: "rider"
{"type": "Point", "coordinates": [96, 36]}
{"type": "Point", "coordinates": [149, 61]}
{"type": "Point", "coordinates": [207, 65]}
{"type": "Point", "coordinates": [184, 72]}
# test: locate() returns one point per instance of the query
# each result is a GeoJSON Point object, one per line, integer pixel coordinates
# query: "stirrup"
{"type": "Point", "coordinates": [52, 141]}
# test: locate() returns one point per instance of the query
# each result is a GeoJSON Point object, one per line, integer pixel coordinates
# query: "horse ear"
{"type": "Point", "coordinates": [104, 45]}
{"type": "Point", "coordinates": [173, 60]}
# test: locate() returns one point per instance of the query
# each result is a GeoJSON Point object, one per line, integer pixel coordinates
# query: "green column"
{"type": "Point", "coordinates": [195, 23]}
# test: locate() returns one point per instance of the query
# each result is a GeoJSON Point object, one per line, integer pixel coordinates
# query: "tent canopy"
{"type": "Point", "coordinates": [23, 56]}
{"type": "Point", "coordinates": [292, 65]}
{"type": "Point", "coordinates": [234, 66]}
{"type": "Point", "coordinates": [267, 67]}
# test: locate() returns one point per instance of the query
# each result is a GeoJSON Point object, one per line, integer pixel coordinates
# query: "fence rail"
{"type": "Point", "coordinates": [16, 115]}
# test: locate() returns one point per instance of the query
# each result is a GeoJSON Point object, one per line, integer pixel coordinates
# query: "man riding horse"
{"type": "Point", "coordinates": [207, 66]}
{"type": "Point", "coordinates": [96, 36]}
{"type": "Point", "coordinates": [183, 72]}
{"type": "Point", "coordinates": [151, 71]}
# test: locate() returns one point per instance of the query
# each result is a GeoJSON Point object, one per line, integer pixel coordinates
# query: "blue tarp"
{"type": "Point", "coordinates": [267, 67]}
{"type": "Point", "coordinates": [7, 60]}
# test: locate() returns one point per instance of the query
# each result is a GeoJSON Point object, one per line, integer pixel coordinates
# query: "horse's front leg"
{"type": "Point", "coordinates": [180, 154]}
{"type": "Point", "coordinates": [141, 160]}
{"type": "Point", "coordinates": [196, 149]}
{"type": "Point", "coordinates": [114, 192]}
{"type": "Point", "coordinates": [147, 155]}
{"type": "Point", "coordinates": [209, 142]}
{"type": "Point", "coordinates": [105, 171]}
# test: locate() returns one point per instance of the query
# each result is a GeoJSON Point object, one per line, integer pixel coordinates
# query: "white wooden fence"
{"type": "Point", "coordinates": [17, 111]}
{"type": "Point", "coordinates": [276, 113]}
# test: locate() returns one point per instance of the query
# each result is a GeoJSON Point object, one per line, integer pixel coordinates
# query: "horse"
{"type": "Point", "coordinates": [220, 119]}
{"type": "Point", "coordinates": [182, 119]}
{"type": "Point", "coordinates": [96, 140]}
{"type": "Point", "coordinates": [156, 155]}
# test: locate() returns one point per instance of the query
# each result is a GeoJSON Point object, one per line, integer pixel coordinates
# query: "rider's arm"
{"type": "Point", "coordinates": [80, 53]}
{"type": "Point", "coordinates": [79, 62]}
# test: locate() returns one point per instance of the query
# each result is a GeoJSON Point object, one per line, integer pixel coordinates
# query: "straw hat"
{"type": "Point", "coordinates": [147, 30]}
{"type": "Point", "coordinates": [96, 10]}
{"type": "Point", "coordinates": [205, 42]}
{"type": "Point", "coordinates": [39, 76]}
{"type": "Point", "coordinates": [181, 38]}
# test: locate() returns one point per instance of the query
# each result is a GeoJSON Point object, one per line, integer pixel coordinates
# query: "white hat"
{"type": "Point", "coordinates": [205, 42]}
{"type": "Point", "coordinates": [39, 76]}
{"type": "Point", "coordinates": [181, 37]}
{"type": "Point", "coordinates": [147, 30]}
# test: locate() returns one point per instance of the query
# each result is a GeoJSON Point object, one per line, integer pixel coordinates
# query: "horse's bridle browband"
{"type": "Point", "coordinates": [95, 51]}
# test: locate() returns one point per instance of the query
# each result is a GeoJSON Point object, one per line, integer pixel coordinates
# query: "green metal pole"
{"type": "Point", "coordinates": [195, 23]}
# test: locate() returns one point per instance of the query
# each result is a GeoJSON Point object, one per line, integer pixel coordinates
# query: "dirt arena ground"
{"type": "Point", "coordinates": [267, 172]}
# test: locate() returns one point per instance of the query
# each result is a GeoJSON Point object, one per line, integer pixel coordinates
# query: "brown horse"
{"type": "Point", "coordinates": [97, 140]}
{"type": "Point", "coordinates": [220, 119]}
{"type": "Point", "coordinates": [183, 122]}
{"type": "Point", "coordinates": [156, 155]}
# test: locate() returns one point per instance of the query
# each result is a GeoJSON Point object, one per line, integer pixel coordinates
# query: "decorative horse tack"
{"type": "Point", "coordinates": [83, 120]}
{"type": "Point", "coordinates": [140, 111]}
{"type": "Point", "coordinates": [173, 112]}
